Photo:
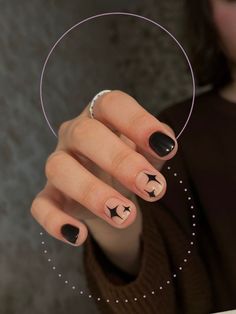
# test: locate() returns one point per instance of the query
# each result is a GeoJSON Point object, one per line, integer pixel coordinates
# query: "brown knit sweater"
{"type": "Point", "coordinates": [188, 261]}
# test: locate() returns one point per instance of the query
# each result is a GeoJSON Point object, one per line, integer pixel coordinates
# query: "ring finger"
{"type": "Point", "coordinates": [70, 177]}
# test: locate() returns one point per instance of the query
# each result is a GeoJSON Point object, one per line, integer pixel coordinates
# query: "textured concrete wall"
{"type": "Point", "coordinates": [142, 61]}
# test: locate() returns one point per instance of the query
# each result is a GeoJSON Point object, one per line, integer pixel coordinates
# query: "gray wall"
{"type": "Point", "coordinates": [142, 61]}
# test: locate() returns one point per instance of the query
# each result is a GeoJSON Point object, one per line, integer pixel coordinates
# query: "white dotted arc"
{"type": "Point", "coordinates": [152, 292]}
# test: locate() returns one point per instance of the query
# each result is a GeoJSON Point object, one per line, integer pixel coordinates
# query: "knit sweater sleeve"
{"type": "Point", "coordinates": [117, 292]}
{"type": "Point", "coordinates": [172, 276]}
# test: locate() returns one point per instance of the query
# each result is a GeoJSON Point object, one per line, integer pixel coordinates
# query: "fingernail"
{"type": "Point", "coordinates": [161, 143]}
{"type": "Point", "coordinates": [117, 210]}
{"type": "Point", "coordinates": [70, 233]}
{"type": "Point", "coordinates": [149, 184]}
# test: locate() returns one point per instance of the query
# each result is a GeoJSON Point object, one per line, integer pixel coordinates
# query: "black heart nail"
{"type": "Point", "coordinates": [70, 232]}
{"type": "Point", "coordinates": [161, 143]}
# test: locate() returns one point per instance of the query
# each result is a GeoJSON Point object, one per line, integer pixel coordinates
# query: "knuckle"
{"type": "Point", "coordinates": [81, 127]}
{"type": "Point", "coordinates": [48, 222]}
{"type": "Point", "coordinates": [118, 93]}
{"type": "Point", "coordinates": [53, 162]}
{"type": "Point", "coordinates": [35, 206]}
{"type": "Point", "coordinates": [121, 160]}
{"type": "Point", "coordinates": [62, 128]}
{"type": "Point", "coordinates": [111, 97]}
{"type": "Point", "coordinates": [139, 118]}
{"type": "Point", "coordinates": [88, 189]}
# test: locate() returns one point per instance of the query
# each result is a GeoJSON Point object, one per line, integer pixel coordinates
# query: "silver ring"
{"type": "Point", "coordinates": [92, 102]}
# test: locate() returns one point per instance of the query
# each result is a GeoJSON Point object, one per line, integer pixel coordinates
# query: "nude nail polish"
{"type": "Point", "coordinates": [117, 210]}
{"type": "Point", "coordinates": [149, 184]}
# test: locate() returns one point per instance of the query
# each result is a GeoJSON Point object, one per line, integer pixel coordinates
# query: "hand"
{"type": "Point", "coordinates": [99, 165]}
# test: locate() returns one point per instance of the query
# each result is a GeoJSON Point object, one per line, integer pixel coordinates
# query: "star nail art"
{"type": "Point", "coordinates": [113, 212]}
{"type": "Point", "coordinates": [127, 208]}
{"type": "Point", "coordinates": [117, 211]}
{"type": "Point", "coordinates": [144, 180]}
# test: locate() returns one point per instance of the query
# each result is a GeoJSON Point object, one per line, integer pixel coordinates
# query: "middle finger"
{"type": "Point", "coordinates": [98, 143]}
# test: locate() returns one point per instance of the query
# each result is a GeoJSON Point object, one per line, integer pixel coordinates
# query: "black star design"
{"type": "Point", "coordinates": [113, 212]}
{"type": "Point", "coordinates": [126, 208]}
{"type": "Point", "coordinates": [151, 194]}
{"type": "Point", "coordinates": [152, 177]}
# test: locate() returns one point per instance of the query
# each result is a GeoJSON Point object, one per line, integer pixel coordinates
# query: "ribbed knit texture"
{"type": "Point", "coordinates": [206, 282]}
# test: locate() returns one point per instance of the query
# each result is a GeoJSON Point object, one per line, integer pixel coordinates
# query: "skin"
{"type": "Point", "coordinates": [224, 16]}
{"type": "Point", "coordinates": [81, 175]}
{"type": "Point", "coordinates": [84, 171]}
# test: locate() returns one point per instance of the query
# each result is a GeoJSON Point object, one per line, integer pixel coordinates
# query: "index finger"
{"type": "Point", "coordinates": [120, 111]}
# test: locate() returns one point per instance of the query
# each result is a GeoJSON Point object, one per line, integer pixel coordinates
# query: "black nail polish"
{"type": "Point", "coordinates": [70, 232]}
{"type": "Point", "coordinates": [161, 143]}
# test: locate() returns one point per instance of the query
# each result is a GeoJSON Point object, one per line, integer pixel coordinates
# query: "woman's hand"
{"type": "Point", "coordinates": [99, 165]}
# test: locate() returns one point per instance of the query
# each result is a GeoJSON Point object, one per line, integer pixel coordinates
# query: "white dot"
{"type": "Point", "coordinates": [193, 216]}
{"type": "Point", "coordinates": [194, 225]}
{"type": "Point", "coordinates": [185, 190]}
{"type": "Point", "coordinates": [180, 268]}
{"type": "Point", "coordinates": [90, 296]}
{"type": "Point", "coordinates": [192, 207]}
{"type": "Point", "coordinates": [161, 288]}
{"type": "Point", "coordinates": [168, 282]}
{"type": "Point", "coordinates": [59, 275]}
{"type": "Point", "coordinates": [42, 242]}
{"type": "Point", "coordinates": [41, 233]}
{"type": "Point", "coordinates": [49, 260]}
{"type": "Point", "coordinates": [98, 299]}
{"type": "Point", "coordinates": [81, 292]}
{"type": "Point", "coordinates": [175, 174]}
{"type": "Point", "coordinates": [167, 149]}
{"type": "Point", "coordinates": [66, 281]}
{"type": "Point", "coordinates": [45, 251]}
{"type": "Point", "coordinates": [117, 301]}
{"type": "Point", "coordinates": [185, 260]}
{"type": "Point", "coordinates": [108, 300]}
{"type": "Point", "coordinates": [174, 275]}
{"type": "Point", "coordinates": [73, 287]}
{"type": "Point", "coordinates": [144, 296]}
{"type": "Point", "coordinates": [180, 181]}
{"type": "Point", "coordinates": [189, 198]}
{"type": "Point", "coordinates": [135, 299]}
{"type": "Point", "coordinates": [191, 243]}
{"type": "Point", "coordinates": [193, 234]}
{"type": "Point", "coordinates": [153, 292]}
{"type": "Point", "coordinates": [168, 167]}
{"type": "Point", "coordinates": [126, 300]}
{"type": "Point", "coordinates": [53, 267]}
{"type": "Point", "coordinates": [189, 252]}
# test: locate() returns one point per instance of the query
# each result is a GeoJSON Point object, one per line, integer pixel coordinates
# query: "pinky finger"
{"type": "Point", "coordinates": [56, 222]}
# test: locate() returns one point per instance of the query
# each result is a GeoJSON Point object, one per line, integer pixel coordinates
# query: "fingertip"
{"type": "Point", "coordinates": [73, 233]}
{"type": "Point", "coordinates": [163, 145]}
{"type": "Point", "coordinates": [119, 212]}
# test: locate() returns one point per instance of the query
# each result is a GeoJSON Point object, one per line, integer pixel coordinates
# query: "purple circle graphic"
{"type": "Point", "coordinates": [116, 13]}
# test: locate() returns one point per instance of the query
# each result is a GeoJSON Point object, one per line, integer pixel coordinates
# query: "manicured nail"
{"type": "Point", "coordinates": [117, 210]}
{"type": "Point", "coordinates": [149, 184]}
{"type": "Point", "coordinates": [70, 233]}
{"type": "Point", "coordinates": [161, 143]}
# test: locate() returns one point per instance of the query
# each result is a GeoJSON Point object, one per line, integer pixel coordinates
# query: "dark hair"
{"type": "Point", "coordinates": [208, 60]}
